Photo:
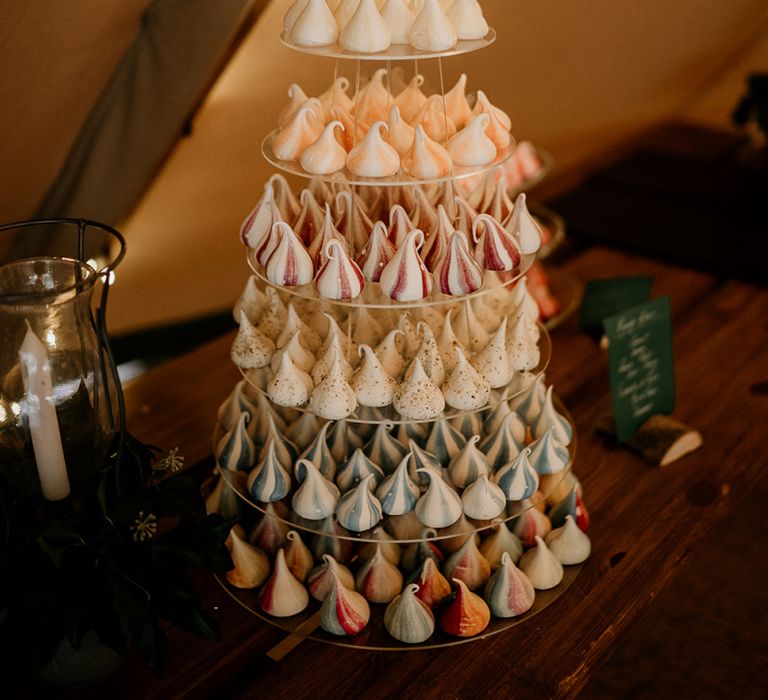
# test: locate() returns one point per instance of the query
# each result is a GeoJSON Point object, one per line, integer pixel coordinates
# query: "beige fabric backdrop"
{"type": "Point", "coordinates": [575, 75]}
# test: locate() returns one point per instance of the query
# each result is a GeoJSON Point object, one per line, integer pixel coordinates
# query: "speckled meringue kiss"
{"type": "Point", "coordinates": [448, 342]}
{"type": "Point", "coordinates": [517, 479]}
{"type": "Point", "coordinates": [495, 248]}
{"type": "Point", "coordinates": [523, 227]}
{"type": "Point", "coordinates": [509, 592]}
{"type": "Point", "coordinates": [467, 615]}
{"type": "Point", "coordinates": [405, 277]}
{"type": "Point", "coordinates": [466, 389]}
{"type": "Point", "coordinates": [493, 360]}
{"type": "Point", "coordinates": [429, 355]}
{"type": "Point", "coordinates": [316, 497]}
{"type": "Point", "coordinates": [541, 566]}
{"type": "Point", "coordinates": [251, 564]}
{"type": "Point", "coordinates": [303, 358]}
{"type": "Point", "coordinates": [333, 398]}
{"type": "Point", "coordinates": [568, 543]}
{"type": "Point", "coordinates": [269, 481]}
{"type": "Point", "coordinates": [397, 493]}
{"type": "Point", "coordinates": [440, 505]}
{"type": "Point", "coordinates": [282, 595]}
{"type": "Point", "coordinates": [251, 348]}
{"type": "Point", "coordinates": [388, 352]}
{"type": "Point", "coordinates": [378, 579]}
{"type": "Point", "coordinates": [457, 273]}
{"type": "Point", "coordinates": [339, 277]}
{"type": "Point", "coordinates": [408, 619]}
{"type": "Point", "coordinates": [289, 265]}
{"type": "Point", "coordinates": [371, 383]}
{"type": "Point", "coordinates": [418, 397]}
{"type": "Point", "coordinates": [321, 579]}
{"type": "Point", "coordinates": [290, 386]}
{"type": "Point", "coordinates": [344, 612]}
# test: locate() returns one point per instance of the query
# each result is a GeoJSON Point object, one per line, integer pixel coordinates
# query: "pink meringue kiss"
{"type": "Point", "coordinates": [495, 247]}
{"type": "Point", "coordinates": [436, 123]}
{"type": "Point", "coordinates": [376, 253]}
{"type": "Point", "coordinates": [326, 155]}
{"type": "Point", "coordinates": [467, 615]}
{"type": "Point", "coordinates": [399, 225]}
{"type": "Point", "coordinates": [303, 130]}
{"type": "Point", "coordinates": [437, 241]}
{"type": "Point", "coordinates": [405, 277]}
{"type": "Point", "coordinates": [499, 124]}
{"type": "Point", "coordinates": [399, 132]}
{"type": "Point", "coordinates": [339, 277]}
{"type": "Point", "coordinates": [471, 147]}
{"type": "Point", "coordinates": [457, 273]}
{"type": "Point", "coordinates": [258, 224]}
{"type": "Point", "coordinates": [426, 159]}
{"type": "Point", "coordinates": [374, 157]}
{"type": "Point", "coordinates": [355, 129]}
{"type": "Point", "coordinates": [326, 233]}
{"type": "Point", "coordinates": [411, 99]}
{"type": "Point", "coordinates": [289, 265]}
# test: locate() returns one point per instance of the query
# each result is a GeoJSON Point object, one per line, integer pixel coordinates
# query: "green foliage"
{"type": "Point", "coordinates": [115, 559]}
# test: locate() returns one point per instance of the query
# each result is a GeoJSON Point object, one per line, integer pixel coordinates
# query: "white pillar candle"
{"type": "Point", "coordinates": [43, 423]}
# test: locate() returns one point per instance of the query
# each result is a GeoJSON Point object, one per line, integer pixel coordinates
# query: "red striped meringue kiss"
{"type": "Point", "coordinates": [437, 241]}
{"type": "Point", "coordinates": [339, 277]}
{"type": "Point", "coordinates": [378, 251]}
{"type": "Point", "coordinates": [457, 273]}
{"type": "Point", "coordinates": [258, 223]}
{"type": "Point", "coordinates": [289, 265]}
{"type": "Point", "coordinates": [496, 249]}
{"type": "Point", "coordinates": [327, 232]}
{"type": "Point", "coordinates": [405, 277]}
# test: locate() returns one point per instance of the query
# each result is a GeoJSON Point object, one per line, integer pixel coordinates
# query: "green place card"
{"type": "Point", "coordinates": [606, 297]}
{"type": "Point", "coordinates": [641, 366]}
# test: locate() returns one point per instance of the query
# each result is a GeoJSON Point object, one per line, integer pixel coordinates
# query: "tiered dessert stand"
{"type": "Point", "coordinates": [386, 434]}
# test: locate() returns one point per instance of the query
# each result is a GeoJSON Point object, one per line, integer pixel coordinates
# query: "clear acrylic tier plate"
{"type": "Point", "coordinates": [396, 52]}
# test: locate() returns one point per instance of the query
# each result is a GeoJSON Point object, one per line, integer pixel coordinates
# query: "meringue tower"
{"type": "Point", "coordinates": [395, 458]}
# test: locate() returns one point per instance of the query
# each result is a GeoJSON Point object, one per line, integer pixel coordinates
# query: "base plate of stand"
{"type": "Point", "coordinates": [375, 637]}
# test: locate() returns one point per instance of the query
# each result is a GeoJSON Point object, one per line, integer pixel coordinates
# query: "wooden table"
{"type": "Point", "coordinates": [645, 520]}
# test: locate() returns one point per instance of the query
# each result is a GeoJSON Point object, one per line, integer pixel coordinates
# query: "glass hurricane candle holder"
{"type": "Point", "coordinates": [60, 396]}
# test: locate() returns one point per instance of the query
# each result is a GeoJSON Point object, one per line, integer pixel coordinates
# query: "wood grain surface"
{"type": "Point", "coordinates": [644, 520]}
